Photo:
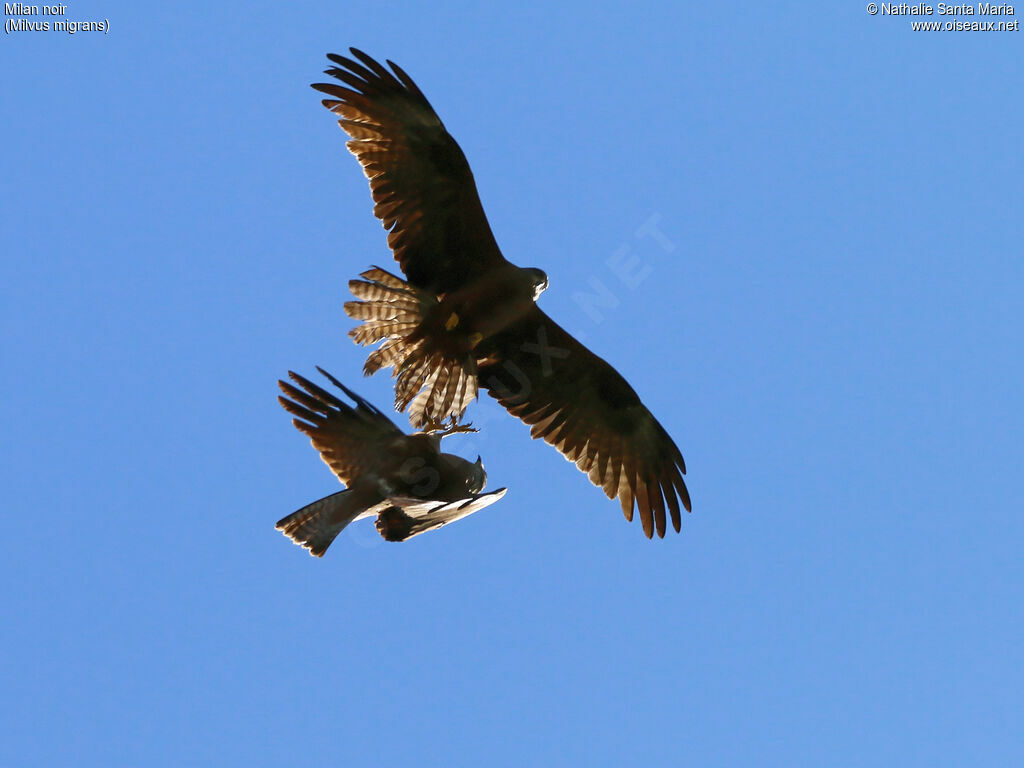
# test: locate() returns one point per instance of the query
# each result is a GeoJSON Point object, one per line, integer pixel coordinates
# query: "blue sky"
{"type": "Point", "coordinates": [829, 325]}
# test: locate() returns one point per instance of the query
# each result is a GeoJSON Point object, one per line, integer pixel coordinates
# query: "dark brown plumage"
{"type": "Point", "coordinates": [468, 317]}
{"type": "Point", "coordinates": [423, 189]}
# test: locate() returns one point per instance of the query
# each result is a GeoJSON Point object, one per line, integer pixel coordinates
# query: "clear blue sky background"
{"type": "Point", "coordinates": [830, 329]}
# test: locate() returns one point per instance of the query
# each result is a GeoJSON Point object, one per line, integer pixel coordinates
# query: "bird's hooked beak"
{"type": "Point", "coordinates": [479, 476]}
{"type": "Point", "coordinates": [540, 281]}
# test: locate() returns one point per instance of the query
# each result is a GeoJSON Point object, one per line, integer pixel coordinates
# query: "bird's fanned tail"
{"type": "Point", "coordinates": [433, 387]}
{"type": "Point", "coordinates": [317, 525]}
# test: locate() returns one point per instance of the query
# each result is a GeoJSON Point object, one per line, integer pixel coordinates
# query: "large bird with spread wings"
{"type": "Point", "coordinates": [465, 317]}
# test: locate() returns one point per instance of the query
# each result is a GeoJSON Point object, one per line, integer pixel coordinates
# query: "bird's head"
{"type": "Point", "coordinates": [540, 281]}
{"type": "Point", "coordinates": [478, 479]}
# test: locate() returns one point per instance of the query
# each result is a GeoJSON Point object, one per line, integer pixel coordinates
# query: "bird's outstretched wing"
{"type": "Point", "coordinates": [422, 186]}
{"type": "Point", "coordinates": [352, 441]}
{"type": "Point", "coordinates": [410, 517]}
{"type": "Point", "coordinates": [578, 403]}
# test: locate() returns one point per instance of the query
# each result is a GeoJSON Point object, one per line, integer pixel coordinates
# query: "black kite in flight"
{"type": "Point", "coordinates": [468, 317]}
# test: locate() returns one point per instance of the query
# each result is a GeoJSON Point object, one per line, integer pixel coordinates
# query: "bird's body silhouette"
{"type": "Point", "coordinates": [465, 318]}
{"type": "Point", "coordinates": [403, 480]}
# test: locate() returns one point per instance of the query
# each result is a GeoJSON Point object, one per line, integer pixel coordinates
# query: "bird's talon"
{"type": "Point", "coordinates": [442, 429]}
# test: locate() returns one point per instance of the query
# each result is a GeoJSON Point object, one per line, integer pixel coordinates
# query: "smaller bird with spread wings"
{"type": "Point", "coordinates": [403, 480]}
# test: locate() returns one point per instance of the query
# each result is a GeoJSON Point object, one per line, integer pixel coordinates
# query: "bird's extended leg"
{"type": "Point", "coordinates": [443, 429]}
